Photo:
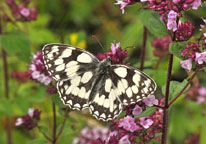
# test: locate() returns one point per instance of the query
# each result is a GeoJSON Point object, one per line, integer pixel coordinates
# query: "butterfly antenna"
{"type": "Point", "coordinates": [131, 47]}
{"type": "Point", "coordinates": [98, 42]}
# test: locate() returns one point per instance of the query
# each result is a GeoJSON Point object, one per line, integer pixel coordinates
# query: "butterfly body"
{"type": "Point", "coordinates": [86, 82]}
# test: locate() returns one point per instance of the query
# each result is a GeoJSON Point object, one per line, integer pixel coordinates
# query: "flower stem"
{"type": "Point", "coordinates": [179, 94]}
{"type": "Point", "coordinates": [54, 123]}
{"type": "Point", "coordinates": [143, 48]}
{"type": "Point", "coordinates": [62, 127]}
{"type": "Point", "coordinates": [165, 110]}
{"type": "Point", "coordinates": [6, 87]}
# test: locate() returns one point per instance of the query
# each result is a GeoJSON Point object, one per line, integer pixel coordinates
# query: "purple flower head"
{"type": "Point", "coordinates": [29, 121]}
{"type": "Point", "coordinates": [92, 136]}
{"type": "Point", "coordinates": [37, 70]}
{"type": "Point", "coordinates": [137, 110]}
{"type": "Point", "coordinates": [124, 140]}
{"type": "Point", "coordinates": [196, 4]}
{"type": "Point", "coordinates": [200, 57]}
{"type": "Point", "coordinates": [52, 89]}
{"type": "Point", "coordinates": [116, 53]}
{"type": "Point", "coordinates": [128, 123]}
{"type": "Point", "coordinates": [184, 31]}
{"type": "Point", "coordinates": [20, 76]}
{"type": "Point", "coordinates": [150, 100]}
{"type": "Point", "coordinates": [161, 46]}
{"type": "Point", "coordinates": [20, 11]}
{"type": "Point", "coordinates": [145, 122]}
{"type": "Point", "coordinates": [187, 64]}
{"type": "Point", "coordinates": [172, 25]}
{"type": "Point", "coordinates": [190, 50]}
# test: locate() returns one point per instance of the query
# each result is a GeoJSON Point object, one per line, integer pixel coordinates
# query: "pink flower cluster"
{"type": "Point", "coordinates": [20, 76]}
{"type": "Point", "coordinates": [92, 136]}
{"type": "Point", "coordinates": [21, 12]}
{"type": "Point", "coordinates": [192, 52]}
{"type": "Point", "coordinates": [116, 53]}
{"type": "Point", "coordinates": [197, 93]}
{"type": "Point", "coordinates": [161, 46]}
{"type": "Point", "coordinates": [29, 121]}
{"type": "Point", "coordinates": [145, 128]}
{"type": "Point", "coordinates": [38, 71]}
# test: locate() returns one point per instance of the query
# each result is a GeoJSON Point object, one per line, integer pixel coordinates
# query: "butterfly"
{"type": "Point", "coordinates": [83, 81]}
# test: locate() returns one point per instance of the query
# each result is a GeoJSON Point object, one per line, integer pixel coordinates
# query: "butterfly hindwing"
{"type": "Point", "coordinates": [64, 61]}
{"type": "Point", "coordinates": [131, 84]}
{"type": "Point", "coordinates": [106, 104]}
{"type": "Point", "coordinates": [75, 92]}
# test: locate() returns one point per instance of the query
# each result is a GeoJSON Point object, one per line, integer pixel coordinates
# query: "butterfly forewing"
{"type": "Point", "coordinates": [131, 84]}
{"type": "Point", "coordinates": [64, 61]}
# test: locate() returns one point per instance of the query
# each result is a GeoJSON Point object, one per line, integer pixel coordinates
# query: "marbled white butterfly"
{"type": "Point", "coordinates": [86, 82]}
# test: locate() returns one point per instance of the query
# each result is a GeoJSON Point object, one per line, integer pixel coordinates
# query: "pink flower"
{"type": "Point", "coordinates": [187, 64]}
{"type": "Point", "coordinates": [172, 15]}
{"type": "Point", "coordinates": [201, 99]}
{"type": "Point", "coordinates": [137, 110]}
{"type": "Point", "coordinates": [19, 121]}
{"type": "Point", "coordinates": [196, 4]}
{"type": "Point", "coordinates": [116, 54]}
{"type": "Point", "coordinates": [123, 5]}
{"type": "Point", "coordinates": [128, 123]}
{"type": "Point", "coordinates": [150, 101]}
{"type": "Point", "coordinates": [200, 57]}
{"type": "Point", "coordinates": [31, 112]}
{"type": "Point", "coordinates": [114, 48]}
{"type": "Point", "coordinates": [202, 91]}
{"type": "Point", "coordinates": [172, 25]}
{"type": "Point", "coordinates": [124, 140]}
{"type": "Point", "coordinates": [25, 12]}
{"type": "Point", "coordinates": [176, 1]}
{"type": "Point", "coordinates": [146, 123]}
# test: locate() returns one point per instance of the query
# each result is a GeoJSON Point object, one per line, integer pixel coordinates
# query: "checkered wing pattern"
{"type": "Point", "coordinates": [65, 62]}
{"type": "Point", "coordinates": [131, 85]}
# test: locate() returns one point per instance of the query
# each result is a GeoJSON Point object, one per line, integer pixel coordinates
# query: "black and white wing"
{"type": "Point", "coordinates": [64, 61]}
{"type": "Point", "coordinates": [106, 104]}
{"type": "Point", "coordinates": [131, 84]}
{"type": "Point", "coordinates": [122, 85]}
{"type": "Point", "coordinates": [74, 69]}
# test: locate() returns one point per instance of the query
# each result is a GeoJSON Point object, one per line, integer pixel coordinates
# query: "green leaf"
{"type": "Point", "coordinates": [147, 112]}
{"type": "Point", "coordinates": [43, 129]}
{"type": "Point", "coordinates": [175, 88]}
{"type": "Point", "coordinates": [176, 48]}
{"type": "Point", "coordinates": [21, 103]}
{"type": "Point", "coordinates": [6, 107]}
{"type": "Point", "coordinates": [56, 99]}
{"type": "Point", "coordinates": [153, 23]}
{"type": "Point", "coordinates": [16, 43]}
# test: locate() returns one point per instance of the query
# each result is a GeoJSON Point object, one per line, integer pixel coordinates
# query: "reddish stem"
{"type": "Point", "coordinates": [54, 123]}
{"type": "Point", "coordinates": [165, 110]}
{"type": "Point", "coordinates": [6, 87]}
